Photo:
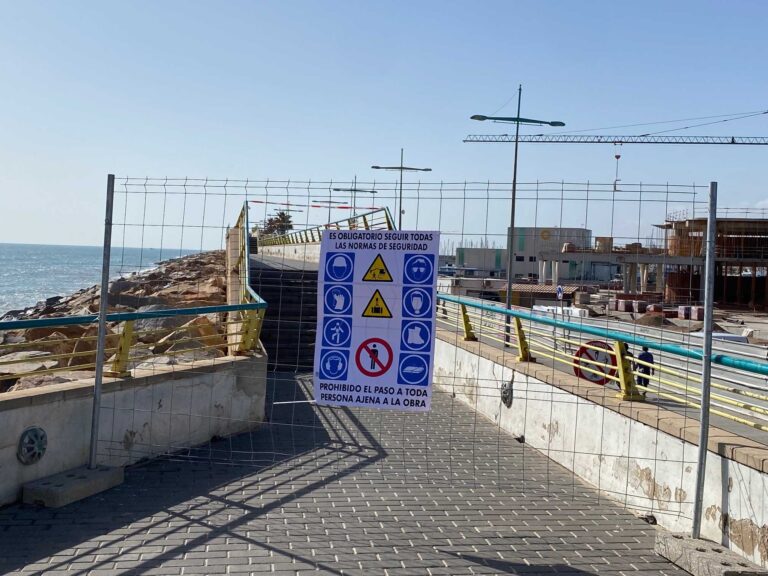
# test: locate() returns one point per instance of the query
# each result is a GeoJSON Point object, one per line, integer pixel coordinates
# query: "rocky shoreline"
{"type": "Point", "coordinates": [188, 281]}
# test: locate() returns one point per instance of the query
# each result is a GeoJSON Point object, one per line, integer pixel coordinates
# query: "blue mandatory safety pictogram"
{"type": "Point", "coordinates": [338, 300]}
{"type": "Point", "coordinates": [418, 269]}
{"type": "Point", "coordinates": [334, 364]}
{"type": "Point", "coordinates": [413, 370]}
{"type": "Point", "coordinates": [417, 303]}
{"type": "Point", "coordinates": [416, 335]}
{"type": "Point", "coordinates": [339, 267]}
{"type": "Point", "coordinates": [337, 332]}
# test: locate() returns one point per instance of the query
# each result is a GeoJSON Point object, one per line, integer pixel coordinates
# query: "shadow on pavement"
{"type": "Point", "coordinates": [182, 492]}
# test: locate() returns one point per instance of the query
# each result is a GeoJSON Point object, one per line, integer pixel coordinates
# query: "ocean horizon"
{"type": "Point", "coordinates": [30, 273]}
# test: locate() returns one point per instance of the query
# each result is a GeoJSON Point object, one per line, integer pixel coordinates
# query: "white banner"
{"type": "Point", "coordinates": [376, 319]}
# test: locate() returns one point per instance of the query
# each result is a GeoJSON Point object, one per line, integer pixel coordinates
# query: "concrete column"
{"type": "Point", "coordinates": [753, 287]}
{"type": "Point", "coordinates": [625, 278]}
{"type": "Point", "coordinates": [542, 271]}
{"type": "Point", "coordinates": [555, 272]}
{"type": "Point", "coordinates": [633, 271]}
{"type": "Point", "coordinates": [643, 277]}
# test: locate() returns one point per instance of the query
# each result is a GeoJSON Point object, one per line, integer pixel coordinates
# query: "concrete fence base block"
{"type": "Point", "coordinates": [702, 557]}
{"type": "Point", "coordinates": [70, 486]}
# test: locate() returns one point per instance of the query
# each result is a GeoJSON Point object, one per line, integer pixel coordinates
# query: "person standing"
{"type": "Point", "coordinates": [644, 365]}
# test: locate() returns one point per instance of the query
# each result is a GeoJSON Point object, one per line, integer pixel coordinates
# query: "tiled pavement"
{"type": "Point", "coordinates": [340, 491]}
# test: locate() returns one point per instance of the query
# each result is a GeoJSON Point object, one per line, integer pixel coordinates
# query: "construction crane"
{"type": "Point", "coordinates": [575, 139]}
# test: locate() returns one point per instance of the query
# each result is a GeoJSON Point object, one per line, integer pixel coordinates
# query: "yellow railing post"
{"type": "Point", "coordinates": [120, 364]}
{"type": "Point", "coordinates": [251, 330]}
{"type": "Point", "coordinates": [524, 353]}
{"type": "Point", "coordinates": [626, 378]}
{"type": "Point", "coordinates": [469, 335]}
{"type": "Point", "coordinates": [365, 223]}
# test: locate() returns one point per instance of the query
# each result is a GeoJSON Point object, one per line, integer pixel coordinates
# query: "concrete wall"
{"type": "Point", "coordinates": [156, 412]}
{"type": "Point", "coordinates": [302, 252]}
{"type": "Point", "coordinates": [650, 466]}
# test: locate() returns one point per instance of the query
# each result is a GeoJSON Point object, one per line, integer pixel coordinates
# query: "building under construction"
{"type": "Point", "coordinates": [741, 250]}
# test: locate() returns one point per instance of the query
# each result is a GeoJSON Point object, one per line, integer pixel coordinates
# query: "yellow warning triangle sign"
{"type": "Point", "coordinates": [377, 271]}
{"type": "Point", "coordinates": [377, 308]}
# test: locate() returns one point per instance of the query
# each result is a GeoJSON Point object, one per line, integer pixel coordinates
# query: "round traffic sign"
{"type": "Point", "coordinates": [600, 363]}
{"type": "Point", "coordinates": [374, 357]}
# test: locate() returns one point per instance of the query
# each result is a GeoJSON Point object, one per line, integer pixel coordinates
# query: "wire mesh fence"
{"type": "Point", "coordinates": [594, 255]}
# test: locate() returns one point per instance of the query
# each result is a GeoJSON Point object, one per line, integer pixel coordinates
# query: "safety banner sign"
{"type": "Point", "coordinates": [376, 319]}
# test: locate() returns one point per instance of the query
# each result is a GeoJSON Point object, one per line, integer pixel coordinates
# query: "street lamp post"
{"type": "Point", "coordinates": [516, 120]}
{"type": "Point", "coordinates": [354, 190]}
{"type": "Point", "coordinates": [401, 169]}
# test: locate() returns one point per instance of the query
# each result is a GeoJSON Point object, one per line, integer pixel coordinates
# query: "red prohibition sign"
{"type": "Point", "coordinates": [603, 363]}
{"type": "Point", "coordinates": [372, 357]}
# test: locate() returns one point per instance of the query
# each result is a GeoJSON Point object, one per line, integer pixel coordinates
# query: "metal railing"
{"type": "Point", "coordinates": [739, 385]}
{"type": "Point", "coordinates": [251, 319]}
{"type": "Point", "coordinates": [126, 345]}
{"type": "Point", "coordinates": [379, 219]}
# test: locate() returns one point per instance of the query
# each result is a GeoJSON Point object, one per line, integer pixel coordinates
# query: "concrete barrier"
{"type": "Point", "coordinates": [156, 412]}
{"type": "Point", "coordinates": [640, 455]}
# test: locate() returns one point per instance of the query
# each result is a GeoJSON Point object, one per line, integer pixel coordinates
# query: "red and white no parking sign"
{"type": "Point", "coordinates": [595, 362]}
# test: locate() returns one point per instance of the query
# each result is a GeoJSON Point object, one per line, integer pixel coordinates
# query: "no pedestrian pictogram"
{"type": "Point", "coordinates": [376, 307]}
{"type": "Point", "coordinates": [374, 357]}
{"type": "Point", "coordinates": [377, 271]}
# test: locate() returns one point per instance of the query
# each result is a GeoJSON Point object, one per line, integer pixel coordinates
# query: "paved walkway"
{"type": "Point", "coordinates": [340, 491]}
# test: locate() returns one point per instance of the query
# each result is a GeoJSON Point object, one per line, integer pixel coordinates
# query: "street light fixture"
{"type": "Point", "coordinates": [516, 120]}
{"type": "Point", "coordinates": [354, 191]}
{"type": "Point", "coordinates": [401, 169]}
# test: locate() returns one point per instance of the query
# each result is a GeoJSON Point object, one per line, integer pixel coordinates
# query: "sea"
{"type": "Point", "coordinates": [30, 273]}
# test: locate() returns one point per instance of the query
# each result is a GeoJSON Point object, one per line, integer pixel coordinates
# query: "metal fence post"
{"type": "Point", "coordinates": [123, 353]}
{"type": "Point", "coordinates": [469, 335]}
{"type": "Point", "coordinates": [624, 370]}
{"type": "Point", "coordinates": [706, 368]}
{"type": "Point", "coordinates": [524, 352]}
{"type": "Point", "coordinates": [102, 333]}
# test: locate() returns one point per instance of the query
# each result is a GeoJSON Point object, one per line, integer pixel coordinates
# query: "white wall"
{"type": "Point", "coordinates": [301, 252]}
{"type": "Point", "coordinates": [640, 466]}
{"type": "Point", "coordinates": [159, 411]}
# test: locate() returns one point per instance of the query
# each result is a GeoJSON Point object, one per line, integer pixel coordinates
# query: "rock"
{"type": "Point", "coordinates": [56, 343]}
{"type": "Point", "coordinates": [12, 337]}
{"type": "Point", "coordinates": [70, 331]}
{"type": "Point", "coordinates": [202, 332]}
{"type": "Point", "coordinates": [189, 281]}
{"type": "Point", "coordinates": [121, 285]}
{"type": "Point", "coordinates": [25, 361]}
{"type": "Point", "coordinates": [35, 381]}
{"type": "Point", "coordinates": [135, 357]}
{"type": "Point", "coordinates": [134, 301]}
{"type": "Point", "coordinates": [159, 327]}
{"type": "Point", "coordinates": [88, 343]}
{"type": "Point", "coordinates": [157, 361]}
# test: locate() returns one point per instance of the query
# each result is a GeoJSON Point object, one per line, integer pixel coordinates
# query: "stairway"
{"type": "Point", "coordinates": [289, 327]}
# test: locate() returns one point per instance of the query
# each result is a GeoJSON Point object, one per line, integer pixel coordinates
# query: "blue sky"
{"type": "Point", "coordinates": [323, 89]}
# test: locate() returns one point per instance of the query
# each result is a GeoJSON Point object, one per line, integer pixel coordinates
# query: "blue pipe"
{"type": "Point", "coordinates": [123, 316]}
